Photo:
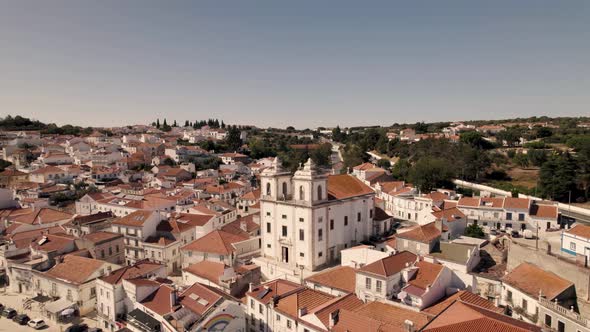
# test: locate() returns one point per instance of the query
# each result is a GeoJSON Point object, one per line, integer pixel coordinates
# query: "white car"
{"type": "Point", "coordinates": [37, 324]}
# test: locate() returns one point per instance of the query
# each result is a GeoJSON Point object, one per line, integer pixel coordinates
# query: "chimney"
{"type": "Point", "coordinates": [243, 225]}
{"type": "Point", "coordinates": [250, 287]}
{"type": "Point", "coordinates": [408, 326]}
{"type": "Point", "coordinates": [333, 319]}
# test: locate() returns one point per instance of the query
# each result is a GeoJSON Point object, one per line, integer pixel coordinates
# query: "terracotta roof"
{"type": "Point", "coordinates": [550, 284]}
{"type": "Point", "coordinates": [199, 299]}
{"type": "Point", "coordinates": [41, 216]}
{"type": "Point", "coordinates": [364, 166]}
{"type": "Point", "coordinates": [378, 317]}
{"type": "Point", "coordinates": [346, 186]}
{"type": "Point", "coordinates": [100, 237]}
{"type": "Point", "coordinates": [390, 265]}
{"type": "Point", "coordinates": [218, 242]}
{"type": "Point", "coordinates": [469, 201]}
{"type": "Point", "coordinates": [235, 227]}
{"type": "Point", "coordinates": [463, 296]}
{"type": "Point", "coordinates": [306, 298]}
{"type": "Point", "coordinates": [209, 270]}
{"type": "Point", "coordinates": [48, 170]}
{"type": "Point", "coordinates": [464, 317]}
{"type": "Point", "coordinates": [265, 292]}
{"type": "Point", "coordinates": [425, 233]}
{"type": "Point", "coordinates": [449, 214]}
{"type": "Point", "coordinates": [135, 219]}
{"type": "Point", "coordinates": [53, 242]}
{"type": "Point", "coordinates": [436, 196]}
{"type": "Point", "coordinates": [516, 203]}
{"type": "Point", "coordinates": [161, 301]}
{"type": "Point", "coordinates": [12, 172]}
{"type": "Point", "coordinates": [192, 220]}
{"type": "Point", "coordinates": [494, 202]}
{"type": "Point", "coordinates": [139, 269]}
{"type": "Point", "coordinates": [75, 269]}
{"type": "Point", "coordinates": [342, 278]}
{"type": "Point", "coordinates": [426, 275]}
{"type": "Point", "coordinates": [544, 211]}
{"type": "Point", "coordinates": [580, 230]}
{"type": "Point", "coordinates": [251, 195]}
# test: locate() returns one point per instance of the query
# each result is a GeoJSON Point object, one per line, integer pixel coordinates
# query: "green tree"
{"type": "Point", "coordinates": [474, 230]}
{"type": "Point", "coordinates": [557, 178]}
{"type": "Point", "coordinates": [429, 173]}
{"type": "Point", "coordinates": [233, 140]}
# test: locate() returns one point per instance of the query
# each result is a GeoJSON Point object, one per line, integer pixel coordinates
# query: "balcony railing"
{"type": "Point", "coordinates": [564, 311]}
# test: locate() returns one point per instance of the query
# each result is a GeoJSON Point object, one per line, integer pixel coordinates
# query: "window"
{"type": "Point", "coordinates": [331, 224]}
{"type": "Point", "coordinates": [508, 216]}
{"type": "Point", "coordinates": [525, 305]}
{"type": "Point", "coordinates": [117, 248]}
{"type": "Point", "coordinates": [319, 193]}
{"type": "Point", "coordinates": [268, 227]}
{"type": "Point", "coordinates": [289, 324]}
{"type": "Point", "coordinates": [320, 220]}
{"type": "Point", "coordinates": [268, 188]}
{"type": "Point", "coordinates": [368, 283]}
{"type": "Point", "coordinates": [301, 219]}
{"type": "Point", "coordinates": [268, 214]}
{"type": "Point", "coordinates": [284, 189]}
{"type": "Point", "coordinates": [268, 245]}
{"type": "Point", "coordinates": [371, 213]}
{"type": "Point", "coordinates": [284, 216]}
{"type": "Point", "coordinates": [320, 234]}
{"type": "Point", "coordinates": [547, 320]}
{"type": "Point", "coordinates": [358, 217]}
{"type": "Point", "coordinates": [301, 254]}
{"type": "Point", "coordinates": [110, 251]}
{"type": "Point", "coordinates": [573, 246]}
{"type": "Point", "coordinates": [378, 286]}
{"type": "Point", "coordinates": [252, 303]}
{"type": "Point", "coordinates": [509, 296]}
{"type": "Point", "coordinates": [301, 193]}
{"type": "Point", "coordinates": [521, 217]}
{"type": "Point", "coordinates": [69, 296]}
{"type": "Point", "coordinates": [278, 318]}
{"type": "Point", "coordinates": [260, 309]}
{"type": "Point", "coordinates": [346, 221]}
{"type": "Point", "coordinates": [284, 230]}
{"type": "Point", "coordinates": [320, 254]}
{"type": "Point", "coordinates": [301, 235]}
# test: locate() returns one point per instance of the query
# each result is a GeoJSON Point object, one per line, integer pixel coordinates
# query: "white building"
{"type": "Point", "coordinates": [307, 218]}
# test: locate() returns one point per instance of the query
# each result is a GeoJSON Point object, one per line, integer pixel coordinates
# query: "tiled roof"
{"type": "Point", "coordinates": [139, 269]}
{"type": "Point", "coordinates": [306, 298]}
{"type": "Point", "coordinates": [161, 301]}
{"type": "Point", "coordinates": [207, 269]}
{"type": "Point", "coordinates": [265, 292]}
{"type": "Point", "coordinates": [580, 230]}
{"type": "Point", "coordinates": [342, 278]}
{"type": "Point", "coordinates": [378, 317]}
{"type": "Point", "coordinates": [199, 299]}
{"type": "Point", "coordinates": [346, 302]}
{"type": "Point", "coordinates": [464, 317]}
{"type": "Point", "coordinates": [42, 216]}
{"type": "Point", "coordinates": [550, 284]}
{"type": "Point", "coordinates": [544, 211]}
{"type": "Point", "coordinates": [390, 265]}
{"type": "Point", "coordinates": [424, 234]}
{"type": "Point", "coordinates": [449, 214]}
{"type": "Point", "coordinates": [192, 219]}
{"type": "Point", "coordinates": [100, 237]}
{"type": "Point", "coordinates": [426, 275]}
{"type": "Point", "coordinates": [136, 218]}
{"type": "Point", "coordinates": [218, 242]}
{"type": "Point", "coordinates": [75, 269]}
{"type": "Point", "coordinates": [516, 203]}
{"type": "Point", "coordinates": [346, 186]}
{"type": "Point", "coordinates": [463, 296]}
{"type": "Point", "coordinates": [468, 201]}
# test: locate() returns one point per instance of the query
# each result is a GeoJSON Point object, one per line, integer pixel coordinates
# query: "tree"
{"type": "Point", "coordinates": [557, 178]}
{"type": "Point", "coordinates": [186, 123]}
{"type": "Point", "coordinates": [401, 169]}
{"type": "Point", "coordinates": [475, 139]}
{"type": "Point", "coordinates": [169, 162]}
{"type": "Point", "coordinates": [174, 124]}
{"type": "Point", "coordinates": [234, 140]}
{"type": "Point", "coordinates": [521, 160]}
{"type": "Point", "coordinates": [420, 127]}
{"type": "Point", "coordinates": [429, 173]}
{"type": "Point", "coordinates": [474, 230]}
{"type": "Point", "coordinates": [384, 163]}
{"type": "Point", "coordinates": [158, 123]}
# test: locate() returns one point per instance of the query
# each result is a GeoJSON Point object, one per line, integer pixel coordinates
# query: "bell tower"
{"type": "Point", "coordinates": [309, 185]}
{"type": "Point", "coordinates": [276, 182]}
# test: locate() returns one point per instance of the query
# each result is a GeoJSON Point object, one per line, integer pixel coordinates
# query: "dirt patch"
{"type": "Point", "coordinates": [526, 177]}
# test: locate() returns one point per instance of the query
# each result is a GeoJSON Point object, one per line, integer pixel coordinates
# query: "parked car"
{"type": "Point", "coordinates": [9, 313]}
{"type": "Point", "coordinates": [37, 324]}
{"type": "Point", "coordinates": [77, 328]}
{"type": "Point", "coordinates": [21, 319]}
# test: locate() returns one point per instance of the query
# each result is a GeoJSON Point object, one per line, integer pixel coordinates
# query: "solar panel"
{"type": "Point", "coordinates": [263, 293]}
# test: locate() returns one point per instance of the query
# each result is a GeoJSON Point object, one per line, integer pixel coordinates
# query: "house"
{"type": "Point", "coordinates": [419, 239]}
{"type": "Point", "coordinates": [136, 228]}
{"type": "Point", "coordinates": [230, 280]}
{"type": "Point", "coordinates": [73, 281]}
{"type": "Point", "coordinates": [9, 178]}
{"type": "Point", "coordinates": [48, 174]}
{"type": "Point", "coordinates": [361, 255]}
{"type": "Point", "coordinates": [461, 259]}
{"type": "Point", "coordinates": [525, 285]}
{"type": "Point", "coordinates": [383, 279]}
{"type": "Point", "coordinates": [427, 282]}
{"type": "Point", "coordinates": [232, 158]}
{"type": "Point", "coordinates": [106, 246]}
{"type": "Point", "coordinates": [82, 225]}
{"type": "Point", "coordinates": [377, 317]}
{"type": "Point", "coordinates": [218, 246]}
{"type": "Point", "coordinates": [111, 297]}
{"type": "Point", "coordinates": [576, 241]}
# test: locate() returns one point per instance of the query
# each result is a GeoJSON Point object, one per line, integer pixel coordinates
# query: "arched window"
{"type": "Point", "coordinates": [301, 193]}
{"type": "Point", "coordinates": [319, 193]}
{"type": "Point", "coordinates": [285, 189]}
{"type": "Point", "coordinates": [268, 189]}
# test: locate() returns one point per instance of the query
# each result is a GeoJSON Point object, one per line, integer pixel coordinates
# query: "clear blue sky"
{"type": "Point", "coordinates": [301, 63]}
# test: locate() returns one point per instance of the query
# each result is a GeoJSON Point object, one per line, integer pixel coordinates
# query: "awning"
{"type": "Point", "coordinates": [59, 305]}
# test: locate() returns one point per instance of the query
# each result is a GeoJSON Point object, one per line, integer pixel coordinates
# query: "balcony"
{"type": "Point", "coordinates": [564, 312]}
